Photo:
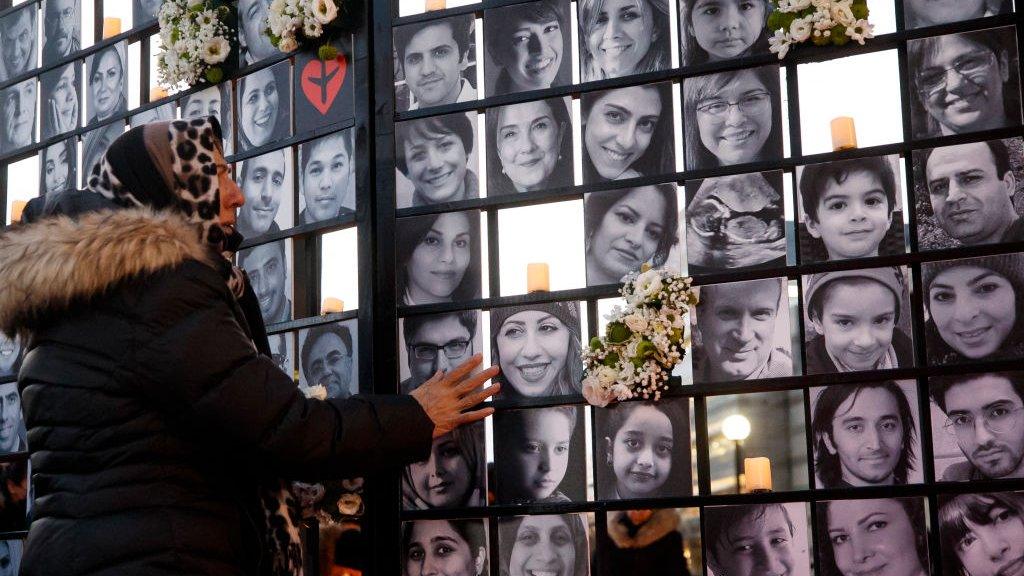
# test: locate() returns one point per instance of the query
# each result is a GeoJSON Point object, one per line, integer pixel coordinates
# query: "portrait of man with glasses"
{"type": "Point", "coordinates": [964, 82]}
{"type": "Point", "coordinates": [326, 356]}
{"type": "Point", "coordinates": [62, 29]}
{"type": "Point", "coordinates": [983, 414]}
{"type": "Point", "coordinates": [437, 342]}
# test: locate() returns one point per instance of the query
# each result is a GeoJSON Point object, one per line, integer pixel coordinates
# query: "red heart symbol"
{"type": "Point", "coordinates": [321, 81]}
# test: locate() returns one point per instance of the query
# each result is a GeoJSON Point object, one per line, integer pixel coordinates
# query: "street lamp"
{"type": "Point", "coordinates": [736, 428]}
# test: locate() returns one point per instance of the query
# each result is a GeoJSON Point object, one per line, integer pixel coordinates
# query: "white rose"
{"type": "Point", "coordinates": [606, 375]}
{"type": "Point", "coordinates": [622, 392]}
{"type": "Point", "coordinates": [216, 50]}
{"type": "Point", "coordinates": [312, 29]}
{"type": "Point", "coordinates": [596, 394]}
{"type": "Point", "coordinates": [325, 11]}
{"type": "Point", "coordinates": [800, 30]}
{"type": "Point", "coordinates": [288, 44]}
{"type": "Point", "coordinates": [635, 322]}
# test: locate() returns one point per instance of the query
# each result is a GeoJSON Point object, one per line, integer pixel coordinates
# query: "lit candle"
{"type": "Point", "coordinates": [435, 5]}
{"type": "Point", "coordinates": [537, 277]}
{"type": "Point", "coordinates": [17, 207]}
{"type": "Point", "coordinates": [332, 305]}
{"type": "Point", "coordinates": [157, 93]}
{"type": "Point", "coordinates": [844, 133]}
{"type": "Point", "coordinates": [758, 474]}
{"type": "Point", "coordinates": [111, 27]}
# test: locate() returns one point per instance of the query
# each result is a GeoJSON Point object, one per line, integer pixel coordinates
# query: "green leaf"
{"type": "Point", "coordinates": [611, 360]}
{"type": "Point", "coordinates": [645, 349]}
{"type": "Point", "coordinates": [839, 37]}
{"type": "Point", "coordinates": [618, 332]}
{"type": "Point", "coordinates": [860, 10]}
{"type": "Point", "coordinates": [596, 344]}
{"type": "Point", "coordinates": [327, 52]}
{"type": "Point", "coordinates": [214, 74]}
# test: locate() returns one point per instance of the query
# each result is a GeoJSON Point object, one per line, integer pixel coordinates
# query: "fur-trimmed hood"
{"type": "Point", "coordinates": [47, 266]}
{"type": "Point", "coordinates": [657, 526]}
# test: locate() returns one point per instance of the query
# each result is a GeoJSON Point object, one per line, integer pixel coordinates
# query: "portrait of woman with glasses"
{"type": "Point", "coordinates": [732, 118]}
{"type": "Point", "coordinates": [964, 82]}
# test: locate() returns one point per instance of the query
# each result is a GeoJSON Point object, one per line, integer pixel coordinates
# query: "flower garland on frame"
{"type": "Point", "coordinates": [195, 39]}
{"type": "Point", "coordinates": [643, 342]}
{"type": "Point", "coordinates": [822, 22]}
{"type": "Point", "coordinates": [292, 23]}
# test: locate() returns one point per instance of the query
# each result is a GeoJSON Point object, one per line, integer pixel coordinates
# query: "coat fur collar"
{"type": "Point", "coordinates": [660, 523]}
{"type": "Point", "coordinates": [47, 266]}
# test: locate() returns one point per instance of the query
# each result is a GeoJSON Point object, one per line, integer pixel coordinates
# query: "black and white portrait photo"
{"type": "Point", "coordinates": [773, 538]}
{"type": "Point", "coordinates": [538, 349]}
{"type": "Point", "coordinates": [253, 42]}
{"type": "Point", "coordinates": [445, 546]}
{"type": "Point", "coordinates": [10, 556]}
{"type": "Point", "coordinates": [327, 181]}
{"type": "Point", "coordinates": [328, 357]}
{"type": "Point", "coordinates": [983, 94]}
{"type": "Point", "coordinates": [60, 100]}
{"type": "Point", "coordinates": [626, 229]}
{"type": "Point", "coordinates": [144, 11]}
{"type": "Point", "coordinates": [323, 88]}
{"type": "Point", "coordinates": [732, 117]}
{"type": "Point", "coordinates": [966, 450]}
{"type": "Point", "coordinates": [268, 184]}
{"type": "Point", "coordinates": [850, 209]}
{"type": "Point", "coordinates": [627, 132]}
{"type": "Point", "coordinates": [10, 355]}
{"type": "Point", "coordinates": [213, 101]}
{"type": "Point", "coordinates": [973, 309]}
{"type": "Point", "coordinates": [19, 36]}
{"type": "Point", "coordinates": [14, 495]}
{"type": "Point", "coordinates": [742, 331]}
{"type": "Point", "coordinates": [107, 79]}
{"type": "Point", "coordinates": [540, 455]}
{"type": "Point", "coordinates": [436, 160]}
{"type": "Point", "coordinates": [921, 13]}
{"type": "Point", "coordinates": [162, 113]}
{"type": "Point", "coordinates": [62, 29]}
{"type": "Point", "coordinates": [866, 434]}
{"type": "Point", "coordinates": [623, 37]}
{"type": "Point", "coordinates": [529, 147]}
{"type": "Point", "coordinates": [95, 144]}
{"type": "Point", "coordinates": [264, 106]}
{"type": "Point", "coordinates": [558, 542]}
{"type": "Point", "coordinates": [282, 351]}
{"type": "Point", "coordinates": [735, 222]}
{"type": "Point", "coordinates": [12, 425]}
{"type": "Point", "coordinates": [439, 258]}
{"type": "Point", "coordinates": [58, 164]}
{"type": "Point", "coordinates": [643, 450]}
{"type": "Point", "coordinates": [18, 107]}
{"type": "Point", "coordinates": [453, 476]}
{"type": "Point", "coordinates": [270, 271]}
{"type": "Point", "coordinates": [857, 320]}
{"type": "Point", "coordinates": [716, 30]}
{"type": "Point", "coordinates": [435, 63]}
{"type": "Point", "coordinates": [529, 47]}
{"type": "Point", "coordinates": [969, 194]}
{"type": "Point", "coordinates": [879, 535]}
{"type": "Point", "coordinates": [972, 526]}
{"type": "Point", "coordinates": [432, 342]}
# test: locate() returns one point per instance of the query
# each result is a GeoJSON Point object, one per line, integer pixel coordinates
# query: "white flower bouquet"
{"type": "Point", "coordinates": [195, 41]}
{"type": "Point", "coordinates": [822, 22]}
{"type": "Point", "coordinates": [293, 22]}
{"type": "Point", "coordinates": [643, 342]}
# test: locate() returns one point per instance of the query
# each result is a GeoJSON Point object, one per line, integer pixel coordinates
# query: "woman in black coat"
{"type": "Point", "coordinates": [158, 424]}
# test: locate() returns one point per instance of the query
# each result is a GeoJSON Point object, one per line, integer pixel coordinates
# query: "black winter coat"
{"type": "Point", "coordinates": [151, 416]}
{"type": "Point", "coordinates": [653, 549]}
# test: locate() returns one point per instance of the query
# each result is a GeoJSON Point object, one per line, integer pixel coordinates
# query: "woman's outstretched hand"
{"type": "Point", "coordinates": [446, 397]}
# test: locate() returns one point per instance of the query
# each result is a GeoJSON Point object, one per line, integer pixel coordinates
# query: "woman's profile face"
{"type": "Point", "coordinates": [541, 453]}
{"type": "Point", "coordinates": [620, 36]}
{"type": "Point", "coordinates": [735, 123]}
{"type": "Point", "coordinates": [55, 166]}
{"type": "Point", "coordinates": [528, 141]}
{"type": "Point", "coordinates": [65, 99]}
{"type": "Point", "coordinates": [533, 347]}
{"type": "Point", "coordinates": [628, 234]}
{"type": "Point", "coordinates": [326, 178]}
{"type": "Point", "coordinates": [444, 479]}
{"type": "Point", "coordinates": [437, 165]}
{"type": "Point", "coordinates": [544, 546]}
{"type": "Point", "coordinates": [439, 261]}
{"type": "Point", "coordinates": [726, 28]}
{"type": "Point", "coordinates": [106, 84]}
{"type": "Point", "coordinates": [619, 129]}
{"type": "Point", "coordinates": [961, 85]}
{"type": "Point", "coordinates": [641, 452]}
{"type": "Point", "coordinates": [437, 549]}
{"type": "Point", "coordinates": [974, 309]}
{"type": "Point", "coordinates": [535, 49]}
{"type": "Point", "coordinates": [873, 537]}
{"type": "Point", "coordinates": [989, 549]}
{"type": "Point", "coordinates": [259, 107]}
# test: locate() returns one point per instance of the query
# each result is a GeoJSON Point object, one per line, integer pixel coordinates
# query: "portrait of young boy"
{"type": "Point", "coordinates": [857, 320]}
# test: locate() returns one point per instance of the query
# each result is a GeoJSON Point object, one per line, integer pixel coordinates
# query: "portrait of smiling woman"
{"type": "Point", "coordinates": [435, 155]}
{"type": "Point", "coordinates": [982, 534]}
{"type": "Point", "coordinates": [716, 30]}
{"type": "Point", "coordinates": [264, 106]}
{"type": "Point", "coordinates": [539, 456]}
{"type": "Point", "coordinates": [58, 167]}
{"type": "Point", "coordinates": [528, 47]}
{"type": "Point", "coordinates": [108, 84]}
{"type": "Point", "coordinates": [529, 147]}
{"type": "Point", "coordinates": [454, 476]}
{"type": "Point", "coordinates": [964, 82]}
{"type": "Point", "coordinates": [60, 101]}
{"type": "Point", "coordinates": [627, 132]}
{"type": "Point", "coordinates": [444, 547]}
{"type": "Point", "coordinates": [623, 37]}
{"type": "Point", "coordinates": [538, 348]}
{"type": "Point", "coordinates": [973, 308]}
{"type": "Point", "coordinates": [628, 228]}
{"type": "Point", "coordinates": [881, 537]}
{"type": "Point", "coordinates": [732, 118]}
{"type": "Point", "coordinates": [439, 258]}
{"type": "Point", "coordinates": [528, 545]}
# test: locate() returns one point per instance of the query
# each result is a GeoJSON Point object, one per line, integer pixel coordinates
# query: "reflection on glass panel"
{"type": "Point", "coordinates": [773, 426]}
{"type": "Point", "coordinates": [134, 76]}
{"type": "Point", "coordinates": [339, 273]}
{"type": "Point", "coordinates": [874, 106]}
{"type": "Point", "coordinates": [668, 538]}
{"type": "Point", "coordinates": [25, 173]}
{"type": "Point", "coordinates": [882, 13]}
{"type": "Point", "coordinates": [550, 233]}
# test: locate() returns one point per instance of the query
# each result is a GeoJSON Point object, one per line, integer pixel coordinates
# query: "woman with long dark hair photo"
{"type": "Point", "coordinates": [538, 349]}
{"type": "Point", "coordinates": [448, 547]}
{"type": "Point", "coordinates": [626, 229]}
{"type": "Point", "coordinates": [454, 474]}
{"type": "Point", "coordinates": [627, 132]}
{"type": "Point", "coordinates": [623, 37]}
{"type": "Point", "coordinates": [881, 536]}
{"type": "Point", "coordinates": [530, 45]}
{"type": "Point", "coordinates": [439, 258]}
{"type": "Point", "coordinates": [108, 84]}
{"type": "Point", "coordinates": [982, 534]}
